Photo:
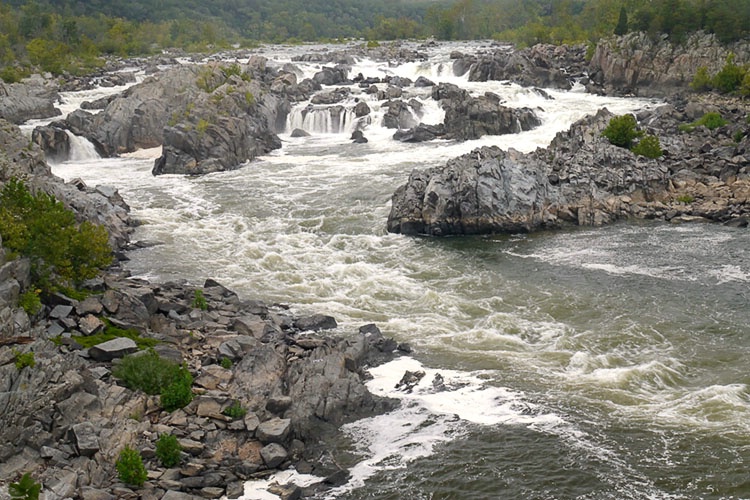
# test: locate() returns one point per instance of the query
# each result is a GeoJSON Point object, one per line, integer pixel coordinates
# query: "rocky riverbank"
{"type": "Point", "coordinates": [66, 417]}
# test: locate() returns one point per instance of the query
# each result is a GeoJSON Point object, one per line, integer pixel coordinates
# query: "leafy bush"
{"type": "Point", "coordinates": [199, 300]}
{"type": "Point", "coordinates": [62, 252]}
{"type": "Point", "coordinates": [702, 80]}
{"type": "Point", "coordinates": [24, 359]}
{"type": "Point", "coordinates": [226, 363]}
{"type": "Point", "coordinates": [710, 120]}
{"type": "Point", "coordinates": [168, 450]}
{"type": "Point", "coordinates": [234, 411]}
{"type": "Point", "coordinates": [730, 77]}
{"type": "Point", "coordinates": [179, 393]}
{"type": "Point", "coordinates": [685, 198]}
{"type": "Point", "coordinates": [130, 467]}
{"type": "Point", "coordinates": [25, 489]}
{"type": "Point", "coordinates": [147, 372]}
{"type": "Point", "coordinates": [621, 131]}
{"type": "Point", "coordinates": [30, 302]}
{"type": "Point", "coordinates": [649, 146]}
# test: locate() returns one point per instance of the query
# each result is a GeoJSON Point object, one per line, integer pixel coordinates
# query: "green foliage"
{"type": "Point", "coordinates": [373, 44]}
{"type": "Point", "coordinates": [199, 300]}
{"type": "Point", "coordinates": [621, 131]}
{"type": "Point", "coordinates": [130, 467]}
{"type": "Point", "coordinates": [147, 372]}
{"type": "Point", "coordinates": [235, 411]}
{"type": "Point", "coordinates": [685, 198]}
{"type": "Point", "coordinates": [730, 77]}
{"type": "Point", "coordinates": [226, 363]}
{"type": "Point", "coordinates": [702, 80]}
{"type": "Point", "coordinates": [649, 146]}
{"type": "Point", "coordinates": [202, 126]}
{"type": "Point", "coordinates": [24, 359]}
{"type": "Point", "coordinates": [168, 450]}
{"type": "Point", "coordinates": [62, 252]}
{"type": "Point", "coordinates": [178, 394]}
{"type": "Point", "coordinates": [710, 120]}
{"type": "Point", "coordinates": [111, 332]}
{"type": "Point", "coordinates": [25, 489]}
{"type": "Point", "coordinates": [622, 22]}
{"type": "Point", "coordinates": [738, 135]}
{"type": "Point", "coordinates": [30, 302]}
{"type": "Point", "coordinates": [249, 98]}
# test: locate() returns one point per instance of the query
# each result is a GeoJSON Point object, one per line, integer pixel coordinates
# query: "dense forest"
{"type": "Point", "coordinates": [71, 35]}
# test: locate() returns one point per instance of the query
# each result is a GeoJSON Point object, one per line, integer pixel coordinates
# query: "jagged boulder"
{"type": "Point", "coordinates": [539, 66]}
{"type": "Point", "coordinates": [32, 99]}
{"type": "Point", "coordinates": [468, 117]}
{"type": "Point", "coordinates": [486, 191]}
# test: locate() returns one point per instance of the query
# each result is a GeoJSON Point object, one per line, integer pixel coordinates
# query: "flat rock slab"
{"type": "Point", "coordinates": [111, 349]}
{"type": "Point", "coordinates": [275, 430]}
{"type": "Point", "coordinates": [86, 438]}
{"type": "Point", "coordinates": [316, 322]}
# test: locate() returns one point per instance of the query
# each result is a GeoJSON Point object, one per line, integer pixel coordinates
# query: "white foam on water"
{"type": "Point", "coordinates": [437, 409]}
{"type": "Point", "coordinates": [258, 490]}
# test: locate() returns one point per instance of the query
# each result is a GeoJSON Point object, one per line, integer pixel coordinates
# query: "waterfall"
{"type": "Point", "coordinates": [81, 149]}
{"type": "Point", "coordinates": [322, 119]}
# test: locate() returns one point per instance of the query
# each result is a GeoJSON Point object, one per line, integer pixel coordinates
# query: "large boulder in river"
{"type": "Point", "coordinates": [580, 179]}
{"type": "Point", "coordinates": [33, 99]}
{"type": "Point", "coordinates": [486, 191]}
{"type": "Point", "coordinates": [468, 117]}
{"type": "Point", "coordinates": [230, 120]}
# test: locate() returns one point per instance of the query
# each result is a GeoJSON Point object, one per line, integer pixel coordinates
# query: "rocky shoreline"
{"type": "Point", "coordinates": [66, 418]}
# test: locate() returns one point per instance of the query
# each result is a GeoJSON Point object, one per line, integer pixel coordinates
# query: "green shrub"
{"type": "Point", "coordinates": [702, 80]}
{"type": "Point", "coordinates": [24, 359]}
{"type": "Point", "coordinates": [202, 126]}
{"type": "Point", "coordinates": [130, 467]}
{"type": "Point", "coordinates": [30, 302]}
{"type": "Point", "coordinates": [199, 300]}
{"type": "Point", "coordinates": [147, 372]}
{"type": "Point", "coordinates": [62, 252]}
{"type": "Point", "coordinates": [178, 393]}
{"type": "Point", "coordinates": [621, 131]}
{"type": "Point", "coordinates": [737, 137]}
{"type": "Point", "coordinates": [235, 411]}
{"type": "Point", "coordinates": [710, 120]}
{"type": "Point", "coordinates": [226, 363]}
{"type": "Point", "coordinates": [25, 489]}
{"type": "Point", "coordinates": [168, 450]}
{"type": "Point", "coordinates": [685, 198]}
{"type": "Point", "coordinates": [730, 77]}
{"type": "Point", "coordinates": [111, 332]}
{"type": "Point", "coordinates": [649, 146]}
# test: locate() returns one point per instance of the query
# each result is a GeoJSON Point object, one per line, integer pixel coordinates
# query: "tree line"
{"type": "Point", "coordinates": [70, 36]}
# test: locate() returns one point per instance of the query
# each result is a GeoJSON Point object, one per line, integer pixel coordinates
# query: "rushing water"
{"type": "Point", "coordinates": [604, 363]}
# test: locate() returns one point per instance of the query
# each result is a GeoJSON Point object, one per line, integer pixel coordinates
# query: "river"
{"type": "Point", "coordinates": [606, 363]}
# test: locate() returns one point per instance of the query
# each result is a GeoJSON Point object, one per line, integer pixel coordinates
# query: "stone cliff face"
{"type": "Point", "coordinates": [636, 64]}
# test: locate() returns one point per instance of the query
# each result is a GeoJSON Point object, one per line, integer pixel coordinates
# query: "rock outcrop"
{"type": "Point", "coordinates": [546, 66]}
{"type": "Point", "coordinates": [582, 179]}
{"type": "Point", "coordinates": [637, 64]}
{"type": "Point", "coordinates": [32, 99]}
{"type": "Point", "coordinates": [69, 418]}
